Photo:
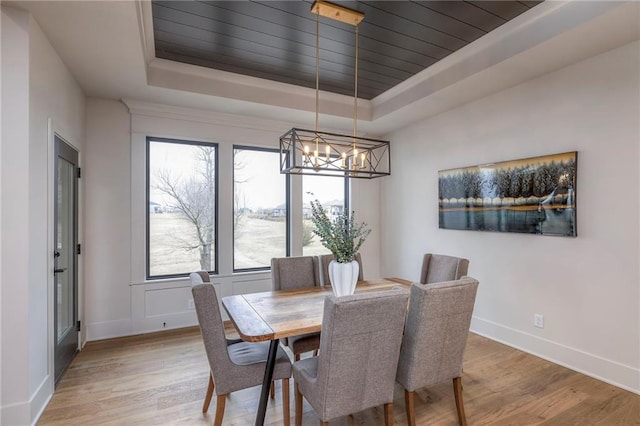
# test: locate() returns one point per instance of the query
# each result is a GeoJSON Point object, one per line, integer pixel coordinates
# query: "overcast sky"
{"type": "Point", "coordinates": [258, 172]}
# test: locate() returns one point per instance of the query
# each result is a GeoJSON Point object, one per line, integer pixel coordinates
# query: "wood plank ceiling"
{"type": "Point", "coordinates": [276, 40]}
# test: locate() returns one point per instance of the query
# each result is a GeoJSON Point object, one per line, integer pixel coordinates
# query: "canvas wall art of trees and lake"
{"type": "Point", "coordinates": [531, 195]}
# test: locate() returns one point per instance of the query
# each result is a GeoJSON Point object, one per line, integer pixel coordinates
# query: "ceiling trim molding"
{"type": "Point", "coordinates": [145, 23]}
{"type": "Point", "coordinates": [203, 116]}
{"type": "Point", "coordinates": [492, 40]}
{"type": "Point", "coordinates": [196, 79]}
{"type": "Point", "coordinates": [490, 64]}
{"type": "Point", "coordinates": [526, 31]}
{"type": "Point", "coordinates": [215, 118]}
{"type": "Point", "coordinates": [202, 80]}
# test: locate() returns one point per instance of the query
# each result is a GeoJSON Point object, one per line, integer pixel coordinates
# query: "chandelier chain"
{"type": "Point", "coordinates": [317, 67]}
{"type": "Point", "coordinates": [343, 155]}
{"type": "Point", "coordinates": [317, 78]}
{"type": "Point", "coordinates": [355, 94]}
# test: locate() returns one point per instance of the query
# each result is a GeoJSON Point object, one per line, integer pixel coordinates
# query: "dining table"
{"type": "Point", "coordinates": [274, 315]}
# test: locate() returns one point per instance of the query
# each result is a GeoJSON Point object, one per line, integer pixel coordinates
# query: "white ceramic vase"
{"type": "Point", "coordinates": [343, 277]}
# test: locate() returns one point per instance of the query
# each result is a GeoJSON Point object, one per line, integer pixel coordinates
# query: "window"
{"type": "Point", "coordinates": [182, 193]}
{"type": "Point", "coordinates": [332, 194]}
{"type": "Point", "coordinates": [260, 210]}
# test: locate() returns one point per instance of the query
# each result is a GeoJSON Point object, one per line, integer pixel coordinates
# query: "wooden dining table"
{"type": "Point", "coordinates": [274, 315]}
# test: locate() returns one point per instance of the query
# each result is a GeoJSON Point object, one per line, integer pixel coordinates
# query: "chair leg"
{"type": "Point", "coordinates": [298, 405]}
{"type": "Point", "coordinates": [457, 392]}
{"type": "Point", "coordinates": [220, 401]}
{"type": "Point", "coordinates": [272, 390]}
{"type": "Point", "coordinates": [286, 411]}
{"type": "Point", "coordinates": [388, 414]}
{"type": "Point", "coordinates": [315, 352]}
{"type": "Point", "coordinates": [296, 357]}
{"type": "Point", "coordinates": [411, 412]}
{"type": "Point", "coordinates": [324, 423]}
{"type": "Point", "coordinates": [207, 398]}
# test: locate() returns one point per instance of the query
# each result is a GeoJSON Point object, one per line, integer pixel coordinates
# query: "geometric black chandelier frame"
{"type": "Point", "coordinates": [331, 154]}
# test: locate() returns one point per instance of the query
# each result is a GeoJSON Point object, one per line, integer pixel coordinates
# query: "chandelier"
{"type": "Point", "coordinates": [312, 152]}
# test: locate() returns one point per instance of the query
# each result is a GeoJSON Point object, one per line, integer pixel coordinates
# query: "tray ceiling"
{"type": "Point", "coordinates": [275, 40]}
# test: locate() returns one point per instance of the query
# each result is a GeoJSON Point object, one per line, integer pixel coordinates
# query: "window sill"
{"type": "Point", "coordinates": [215, 278]}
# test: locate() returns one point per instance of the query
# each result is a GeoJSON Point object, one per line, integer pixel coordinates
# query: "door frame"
{"type": "Point", "coordinates": [53, 130]}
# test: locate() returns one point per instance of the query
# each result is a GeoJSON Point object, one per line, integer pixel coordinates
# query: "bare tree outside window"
{"type": "Point", "coordinates": [182, 207]}
{"type": "Point", "coordinates": [239, 197]}
{"type": "Point", "coordinates": [260, 208]}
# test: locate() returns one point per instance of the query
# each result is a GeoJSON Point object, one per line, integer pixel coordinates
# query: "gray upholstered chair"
{"type": "Point", "coordinates": [288, 273]}
{"type": "Point", "coordinates": [359, 349]}
{"type": "Point", "coordinates": [324, 268]}
{"type": "Point", "coordinates": [202, 277]}
{"type": "Point", "coordinates": [435, 337]}
{"type": "Point", "coordinates": [437, 268]}
{"type": "Point", "coordinates": [199, 277]}
{"type": "Point", "coordinates": [235, 366]}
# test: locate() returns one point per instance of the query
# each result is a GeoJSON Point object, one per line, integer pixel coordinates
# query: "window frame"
{"type": "Point", "coordinates": [287, 215]}
{"type": "Point", "coordinates": [347, 189]}
{"type": "Point", "coordinates": [149, 140]}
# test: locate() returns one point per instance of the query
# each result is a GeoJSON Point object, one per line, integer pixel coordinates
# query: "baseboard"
{"type": "Point", "coordinates": [40, 398]}
{"type": "Point", "coordinates": [28, 412]}
{"type": "Point", "coordinates": [612, 372]}
{"type": "Point", "coordinates": [127, 327]}
{"type": "Point", "coordinates": [108, 329]}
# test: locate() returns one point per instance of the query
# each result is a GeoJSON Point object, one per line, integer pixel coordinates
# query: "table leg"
{"type": "Point", "coordinates": [266, 382]}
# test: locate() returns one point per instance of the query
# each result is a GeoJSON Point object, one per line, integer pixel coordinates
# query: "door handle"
{"type": "Point", "coordinates": [59, 270]}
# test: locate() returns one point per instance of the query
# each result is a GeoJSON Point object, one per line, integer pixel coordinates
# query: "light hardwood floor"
{"type": "Point", "coordinates": [161, 379]}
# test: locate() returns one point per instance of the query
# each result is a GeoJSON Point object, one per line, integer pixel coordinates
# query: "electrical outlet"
{"type": "Point", "coordinates": [190, 305]}
{"type": "Point", "coordinates": [538, 320]}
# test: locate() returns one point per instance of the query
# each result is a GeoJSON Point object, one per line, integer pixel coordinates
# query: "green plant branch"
{"type": "Point", "coordinates": [343, 236]}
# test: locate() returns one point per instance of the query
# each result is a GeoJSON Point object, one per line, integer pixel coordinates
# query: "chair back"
{"type": "Point", "coordinates": [438, 268]}
{"type": "Point", "coordinates": [289, 273]}
{"type": "Point", "coordinates": [212, 329]}
{"type": "Point", "coordinates": [199, 277]}
{"type": "Point", "coordinates": [436, 331]}
{"type": "Point", "coordinates": [326, 259]}
{"type": "Point", "coordinates": [359, 349]}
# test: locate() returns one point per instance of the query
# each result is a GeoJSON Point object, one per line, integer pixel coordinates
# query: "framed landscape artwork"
{"type": "Point", "coordinates": [532, 195]}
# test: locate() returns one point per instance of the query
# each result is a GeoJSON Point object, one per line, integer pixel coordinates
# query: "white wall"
{"type": "Point", "coordinates": [1, 226]}
{"type": "Point", "coordinates": [15, 249]}
{"type": "Point", "coordinates": [119, 299]}
{"type": "Point", "coordinates": [56, 105]}
{"type": "Point", "coordinates": [587, 287]}
{"type": "Point", "coordinates": [107, 178]}
{"type": "Point", "coordinates": [43, 97]}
